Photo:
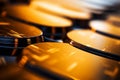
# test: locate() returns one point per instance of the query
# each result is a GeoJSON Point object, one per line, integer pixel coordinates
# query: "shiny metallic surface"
{"type": "Point", "coordinates": [14, 36]}
{"type": "Point", "coordinates": [15, 27]}
{"type": "Point", "coordinates": [108, 28]}
{"type": "Point", "coordinates": [79, 19]}
{"type": "Point", "coordinates": [53, 8]}
{"type": "Point", "coordinates": [14, 72]}
{"type": "Point", "coordinates": [95, 43]}
{"type": "Point", "coordinates": [35, 17]}
{"type": "Point", "coordinates": [53, 40]}
{"type": "Point", "coordinates": [61, 58]}
{"type": "Point", "coordinates": [54, 27]}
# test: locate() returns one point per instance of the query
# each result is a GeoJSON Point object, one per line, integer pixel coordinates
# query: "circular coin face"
{"type": "Point", "coordinates": [12, 28]}
{"type": "Point", "coordinates": [16, 35]}
{"type": "Point", "coordinates": [111, 29]}
{"type": "Point", "coordinates": [63, 61]}
{"type": "Point", "coordinates": [26, 14]}
{"type": "Point", "coordinates": [95, 43]}
{"type": "Point", "coordinates": [59, 10]}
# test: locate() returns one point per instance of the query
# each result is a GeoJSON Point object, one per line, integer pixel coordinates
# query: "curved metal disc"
{"type": "Point", "coordinates": [25, 34]}
{"type": "Point", "coordinates": [95, 43]}
{"type": "Point", "coordinates": [59, 10]}
{"type": "Point", "coordinates": [64, 59]}
{"type": "Point", "coordinates": [107, 28]}
{"type": "Point", "coordinates": [17, 29]}
{"type": "Point", "coordinates": [14, 36]}
{"type": "Point", "coordinates": [29, 15]}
